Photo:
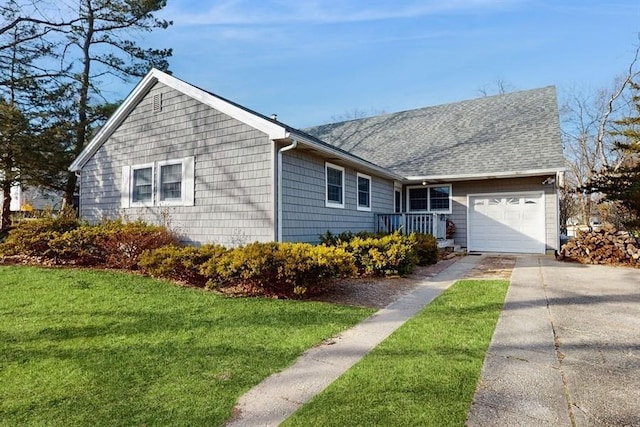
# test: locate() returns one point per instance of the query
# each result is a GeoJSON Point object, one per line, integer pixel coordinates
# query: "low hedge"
{"type": "Point", "coordinates": [31, 237]}
{"type": "Point", "coordinates": [180, 263]}
{"type": "Point", "coordinates": [385, 254]}
{"type": "Point", "coordinates": [64, 240]}
{"type": "Point", "coordinates": [281, 269]}
{"type": "Point", "coordinates": [389, 255]}
{"type": "Point", "coordinates": [275, 269]}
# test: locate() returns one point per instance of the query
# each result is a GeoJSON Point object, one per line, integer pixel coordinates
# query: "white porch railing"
{"type": "Point", "coordinates": [407, 223]}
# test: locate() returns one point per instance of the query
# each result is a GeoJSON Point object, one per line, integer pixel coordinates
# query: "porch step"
{"type": "Point", "coordinates": [445, 243]}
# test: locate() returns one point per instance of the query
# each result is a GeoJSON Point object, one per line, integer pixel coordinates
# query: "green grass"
{"type": "Point", "coordinates": [424, 374]}
{"type": "Point", "coordinates": [104, 348]}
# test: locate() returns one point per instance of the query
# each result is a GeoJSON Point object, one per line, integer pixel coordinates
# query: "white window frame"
{"type": "Point", "coordinates": [172, 202]}
{"type": "Point", "coordinates": [359, 206]}
{"type": "Point", "coordinates": [134, 168]}
{"type": "Point", "coordinates": [331, 203]}
{"type": "Point", "coordinates": [429, 209]}
{"type": "Point", "coordinates": [187, 186]}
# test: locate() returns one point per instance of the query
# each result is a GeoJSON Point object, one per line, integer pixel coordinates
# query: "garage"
{"type": "Point", "coordinates": [506, 222]}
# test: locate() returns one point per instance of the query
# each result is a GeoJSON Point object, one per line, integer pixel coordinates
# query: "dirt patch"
{"type": "Point", "coordinates": [493, 267]}
{"type": "Point", "coordinates": [378, 292]}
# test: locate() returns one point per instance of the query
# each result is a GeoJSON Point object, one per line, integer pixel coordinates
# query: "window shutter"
{"type": "Point", "coordinates": [125, 190]}
{"type": "Point", "coordinates": [188, 181]}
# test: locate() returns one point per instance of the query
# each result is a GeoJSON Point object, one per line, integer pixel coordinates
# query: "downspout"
{"type": "Point", "coordinates": [79, 180]}
{"type": "Point", "coordinates": [292, 146]}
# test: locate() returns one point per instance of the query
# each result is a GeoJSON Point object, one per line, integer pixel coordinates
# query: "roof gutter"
{"type": "Point", "coordinates": [464, 177]}
{"type": "Point", "coordinates": [281, 150]}
{"type": "Point", "coordinates": [372, 167]}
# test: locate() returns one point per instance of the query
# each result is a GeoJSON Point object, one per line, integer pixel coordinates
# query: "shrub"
{"type": "Point", "coordinates": [80, 246]}
{"type": "Point", "coordinates": [181, 263]}
{"type": "Point", "coordinates": [283, 269]}
{"type": "Point", "coordinates": [112, 244]}
{"type": "Point", "coordinates": [426, 249]}
{"type": "Point", "coordinates": [330, 239]}
{"type": "Point", "coordinates": [31, 237]}
{"type": "Point", "coordinates": [124, 242]}
{"type": "Point", "coordinates": [389, 255]}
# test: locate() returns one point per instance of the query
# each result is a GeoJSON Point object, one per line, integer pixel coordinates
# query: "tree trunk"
{"type": "Point", "coordinates": [5, 223]}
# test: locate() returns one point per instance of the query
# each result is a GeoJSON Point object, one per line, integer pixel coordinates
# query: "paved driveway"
{"type": "Point", "coordinates": [567, 349]}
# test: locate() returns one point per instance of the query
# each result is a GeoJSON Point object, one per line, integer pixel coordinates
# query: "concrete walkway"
{"type": "Point", "coordinates": [279, 396]}
{"type": "Point", "coordinates": [566, 351]}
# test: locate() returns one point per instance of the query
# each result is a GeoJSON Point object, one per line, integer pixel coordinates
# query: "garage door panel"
{"type": "Point", "coordinates": [507, 223]}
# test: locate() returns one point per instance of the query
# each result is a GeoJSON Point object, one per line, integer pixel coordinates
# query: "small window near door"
{"type": "Point", "coordinates": [439, 198]}
{"type": "Point", "coordinates": [364, 192]}
{"type": "Point", "coordinates": [398, 202]}
{"type": "Point", "coordinates": [334, 176]}
{"type": "Point", "coordinates": [429, 198]}
{"type": "Point", "coordinates": [418, 199]}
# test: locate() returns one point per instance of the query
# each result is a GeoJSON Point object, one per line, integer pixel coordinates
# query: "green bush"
{"type": "Point", "coordinates": [63, 239]}
{"type": "Point", "coordinates": [181, 263]}
{"type": "Point", "coordinates": [80, 246]}
{"type": "Point", "coordinates": [389, 255]}
{"type": "Point", "coordinates": [31, 237]}
{"type": "Point", "coordinates": [426, 249]}
{"type": "Point", "coordinates": [330, 239]}
{"type": "Point", "coordinates": [282, 269]}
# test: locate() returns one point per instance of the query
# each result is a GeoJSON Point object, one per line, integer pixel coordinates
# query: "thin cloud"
{"type": "Point", "coordinates": [278, 12]}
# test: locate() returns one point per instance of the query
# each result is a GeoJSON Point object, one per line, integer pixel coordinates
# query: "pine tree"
{"type": "Point", "coordinates": [98, 44]}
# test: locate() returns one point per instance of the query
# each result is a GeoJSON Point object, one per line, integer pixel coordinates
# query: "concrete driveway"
{"type": "Point", "coordinates": [566, 351]}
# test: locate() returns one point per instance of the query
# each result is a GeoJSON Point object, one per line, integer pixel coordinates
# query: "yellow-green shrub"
{"type": "Point", "coordinates": [31, 237]}
{"type": "Point", "coordinates": [389, 255]}
{"type": "Point", "coordinates": [285, 269]}
{"type": "Point", "coordinates": [181, 263]}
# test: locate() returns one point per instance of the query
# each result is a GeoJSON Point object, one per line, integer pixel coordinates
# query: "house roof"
{"type": "Point", "coordinates": [505, 135]}
{"type": "Point", "coordinates": [273, 128]}
{"type": "Point", "coordinates": [514, 134]}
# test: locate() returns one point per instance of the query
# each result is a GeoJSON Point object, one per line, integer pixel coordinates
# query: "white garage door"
{"type": "Point", "coordinates": [507, 223]}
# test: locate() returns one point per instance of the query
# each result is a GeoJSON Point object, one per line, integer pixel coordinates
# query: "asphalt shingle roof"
{"type": "Point", "coordinates": [512, 132]}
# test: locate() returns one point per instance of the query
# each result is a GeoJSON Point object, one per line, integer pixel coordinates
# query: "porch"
{"type": "Point", "coordinates": [425, 223]}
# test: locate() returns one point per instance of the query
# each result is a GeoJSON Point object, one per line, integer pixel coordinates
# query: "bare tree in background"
{"type": "Point", "coordinates": [587, 121]}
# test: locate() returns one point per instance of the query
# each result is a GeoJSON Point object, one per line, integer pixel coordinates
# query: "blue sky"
{"type": "Point", "coordinates": [311, 61]}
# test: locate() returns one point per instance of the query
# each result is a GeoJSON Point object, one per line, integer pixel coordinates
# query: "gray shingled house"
{"type": "Point", "coordinates": [219, 172]}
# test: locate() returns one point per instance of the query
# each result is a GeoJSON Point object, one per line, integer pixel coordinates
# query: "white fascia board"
{"type": "Point", "coordinates": [464, 177]}
{"type": "Point", "coordinates": [359, 163]}
{"type": "Point", "coordinates": [274, 130]}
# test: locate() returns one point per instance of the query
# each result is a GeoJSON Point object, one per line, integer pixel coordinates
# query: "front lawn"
{"type": "Point", "coordinates": [103, 348]}
{"type": "Point", "coordinates": [424, 374]}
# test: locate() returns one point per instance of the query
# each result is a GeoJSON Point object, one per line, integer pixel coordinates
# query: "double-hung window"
{"type": "Point", "coordinates": [142, 185]}
{"type": "Point", "coordinates": [432, 198]}
{"type": "Point", "coordinates": [334, 176]}
{"type": "Point", "coordinates": [364, 192]}
{"type": "Point", "coordinates": [163, 183]}
{"type": "Point", "coordinates": [170, 181]}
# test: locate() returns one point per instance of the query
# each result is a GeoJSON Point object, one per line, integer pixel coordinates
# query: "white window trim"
{"type": "Point", "coordinates": [359, 206]}
{"type": "Point", "coordinates": [429, 210]}
{"type": "Point", "coordinates": [135, 168]}
{"type": "Point", "coordinates": [161, 202]}
{"type": "Point", "coordinates": [187, 190]}
{"type": "Point", "coordinates": [330, 203]}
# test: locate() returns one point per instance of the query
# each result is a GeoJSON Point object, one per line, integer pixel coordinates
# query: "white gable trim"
{"type": "Point", "coordinates": [274, 130]}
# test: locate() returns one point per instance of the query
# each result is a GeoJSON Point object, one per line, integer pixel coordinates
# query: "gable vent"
{"type": "Point", "coordinates": [157, 102]}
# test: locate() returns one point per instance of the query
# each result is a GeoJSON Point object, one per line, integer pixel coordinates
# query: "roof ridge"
{"type": "Point", "coordinates": [447, 104]}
